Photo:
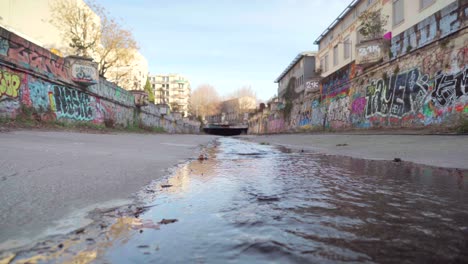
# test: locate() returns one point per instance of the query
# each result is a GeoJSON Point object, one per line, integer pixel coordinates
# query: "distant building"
{"type": "Point", "coordinates": [31, 20]}
{"type": "Point", "coordinates": [297, 74]}
{"type": "Point", "coordinates": [172, 89]}
{"type": "Point", "coordinates": [132, 76]}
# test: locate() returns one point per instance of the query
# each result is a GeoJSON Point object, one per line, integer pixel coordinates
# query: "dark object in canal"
{"type": "Point", "coordinates": [166, 186]}
{"type": "Point", "coordinates": [225, 130]}
{"type": "Point", "coordinates": [167, 221]}
{"type": "Point", "coordinates": [396, 160]}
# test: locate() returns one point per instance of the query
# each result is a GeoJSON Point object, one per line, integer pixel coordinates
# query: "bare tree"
{"type": "Point", "coordinates": [245, 100]}
{"type": "Point", "coordinates": [204, 101]}
{"type": "Point", "coordinates": [117, 46]}
{"type": "Point", "coordinates": [78, 23]}
{"type": "Point", "coordinates": [91, 32]}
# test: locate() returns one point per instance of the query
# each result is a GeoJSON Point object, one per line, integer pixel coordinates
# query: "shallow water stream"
{"type": "Point", "coordinates": [253, 203]}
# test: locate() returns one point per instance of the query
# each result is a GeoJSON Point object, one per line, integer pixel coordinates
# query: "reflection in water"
{"type": "Point", "coordinates": [254, 203]}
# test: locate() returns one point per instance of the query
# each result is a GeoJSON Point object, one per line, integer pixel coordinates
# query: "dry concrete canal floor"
{"type": "Point", "coordinates": [249, 202]}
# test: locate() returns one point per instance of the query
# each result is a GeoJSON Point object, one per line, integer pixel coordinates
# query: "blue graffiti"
{"type": "Point", "coordinates": [4, 46]}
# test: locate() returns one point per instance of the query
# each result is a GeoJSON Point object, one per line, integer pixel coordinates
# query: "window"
{"type": "Point", "coordinates": [335, 55]}
{"type": "Point", "coordinates": [398, 12]}
{"type": "Point", "coordinates": [347, 48]}
{"type": "Point", "coordinates": [322, 64]}
{"type": "Point", "coordinates": [325, 69]}
{"type": "Point", "coordinates": [425, 3]}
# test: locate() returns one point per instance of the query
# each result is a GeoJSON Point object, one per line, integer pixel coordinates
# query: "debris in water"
{"type": "Point", "coordinates": [167, 221]}
{"type": "Point", "coordinates": [397, 160]}
{"type": "Point", "coordinates": [166, 186]}
{"type": "Point", "coordinates": [342, 145]}
{"type": "Point", "coordinates": [80, 231]}
{"type": "Point", "coordinates": [143, 246]}
{"type": "Point", "coordinates": [60, 245]}
{"type": "Point", "coordinates": [267, 198]}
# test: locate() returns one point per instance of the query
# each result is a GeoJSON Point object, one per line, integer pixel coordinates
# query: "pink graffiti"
{"type": "Point", "coordinates": [358, 106]}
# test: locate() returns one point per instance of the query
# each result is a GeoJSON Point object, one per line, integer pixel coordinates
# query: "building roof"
{"type": "Point", "coordinates": [338, 19]}
{"type": "Point", "coordinates": [295, 60]}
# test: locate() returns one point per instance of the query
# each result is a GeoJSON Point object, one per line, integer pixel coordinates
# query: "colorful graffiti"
{"type": "Point", "coordinates": [397, 95]}
{"type": "Point", "coordinates": [9, 84]}
{"type": "Point", "coordinates": [338, 112]}
{"type": "Point", "coordinates": [72, 104]}
{"type": "Point", "coordinates": [448, 88]}
{"type": "Point", "coordinates": [84, 73]}
{"type": "Point", "coordinates": [33, 57]}
{"type": "Point", "coordinates": [39, 93]}
{"type": "Point", "coordinates": [112, 92]}
{"type": "Point", "coordinates": [442, 23]}
{"type": "Point", "coordinates": [409, 92]}
{"type": "Point", "coordinates": [338, 80]}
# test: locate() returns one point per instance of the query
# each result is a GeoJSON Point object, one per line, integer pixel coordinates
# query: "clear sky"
{"type": "Point", "coordinates": [225, 43]}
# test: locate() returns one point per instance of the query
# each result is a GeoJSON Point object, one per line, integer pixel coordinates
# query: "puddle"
{"type": "Point", "coordinates": [256, 203]}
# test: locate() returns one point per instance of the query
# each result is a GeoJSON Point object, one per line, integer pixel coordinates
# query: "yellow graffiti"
{"type": "Point", "coordinates": [52, 102]}
{"type": "Point", "coordinates": [9, 84]}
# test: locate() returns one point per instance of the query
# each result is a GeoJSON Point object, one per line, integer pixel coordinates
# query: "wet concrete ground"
{"type": "Point", "coordinates": [253, 203]}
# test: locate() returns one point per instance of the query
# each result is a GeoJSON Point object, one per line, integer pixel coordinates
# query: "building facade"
{"type": "Point", "coordinates": [297, 74]}
{"type": "Point", "coordinates": [337, 45]}
{"type": "Point", "coordinates": [173, 90]}
{"type": "Point", "coordinates": [31, 20]}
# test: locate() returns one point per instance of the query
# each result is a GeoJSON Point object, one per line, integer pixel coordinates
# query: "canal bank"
{"type": "Point", "coordinates": [50, 181]}
{"type": "Point", "coordinates": [447, 151]}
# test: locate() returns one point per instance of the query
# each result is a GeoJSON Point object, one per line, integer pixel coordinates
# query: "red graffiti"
{"type": "Point", "coordinates": [34, 57]}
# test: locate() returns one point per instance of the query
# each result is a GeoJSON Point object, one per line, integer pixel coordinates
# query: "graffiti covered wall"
{"type": "Point", "coordinates": [32, 77]}
{"type": "Point", "coordinates": [427, 87]}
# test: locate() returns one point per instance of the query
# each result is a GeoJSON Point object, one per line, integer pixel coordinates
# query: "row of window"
{"type": "Point", "coordinates": [300, 81]}
{"type": "Point", "coordinates": [347, 45]}
{"type": "Point", "coordinates": [398, 17]}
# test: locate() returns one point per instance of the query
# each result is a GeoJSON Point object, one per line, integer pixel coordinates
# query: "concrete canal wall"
{"type": "Point", "coordinates": [34, 79]}
{"type": "Point", "coordinates": [423, 81]}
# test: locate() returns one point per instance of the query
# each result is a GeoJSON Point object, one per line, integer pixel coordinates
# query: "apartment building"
{"type": "Point", "coordinates": [31, 20]}
{"type": "Point", "coordinates": [173, 90]}
{"type": "Point", "coordinates": [297, 74]}
{"type": "Point", "coordinates": [337, 44]}
{"type": "Point", "coordinates": [132, 76]}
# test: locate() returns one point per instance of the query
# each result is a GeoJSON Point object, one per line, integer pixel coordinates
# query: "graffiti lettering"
{"type": "Point", "coordinates": [397, 95]}
{"type": "Point", "coordinates": [338, 110]}
{"type": "Point", "coordinates": [9, 84]}
{"type": "Point", "coordinates": [449, 88]}
{"type": "Point", "coordinates": [84, 73]}
{"type": "Point", "coordinates": [72, 104]}
{"type": "Point", "coordinates": [369, 50]}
